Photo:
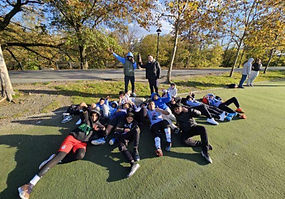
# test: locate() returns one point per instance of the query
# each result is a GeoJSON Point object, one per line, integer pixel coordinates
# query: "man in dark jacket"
{"type": "Point", "coordinates": [72, 148]}
{"type": "Point", "coordinates": [152, 73]}
{"type": "Point", "coordinates": [189, 128]}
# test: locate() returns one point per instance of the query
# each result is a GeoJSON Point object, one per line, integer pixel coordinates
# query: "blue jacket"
{"type": "Point", "coordinates": [123, 60]}
{"type": "Point", "coordinates": [161, 101]}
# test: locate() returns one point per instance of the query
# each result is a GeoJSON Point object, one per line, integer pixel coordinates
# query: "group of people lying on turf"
{"type": "Point", "coordinates": [119, 122]}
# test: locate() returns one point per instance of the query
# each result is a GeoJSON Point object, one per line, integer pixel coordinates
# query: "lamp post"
{"type": "Point", "coordinates": [157, 48]}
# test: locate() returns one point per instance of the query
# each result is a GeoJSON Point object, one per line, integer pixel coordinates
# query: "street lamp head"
{"type": "Point", "coordinates": [158, 31]}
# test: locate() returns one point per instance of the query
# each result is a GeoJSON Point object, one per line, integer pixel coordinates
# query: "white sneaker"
{"type": "Point", "coordinates": [78, 122]}
{"type": "Point", "coordinates": [212, 121]}
{"type": "Point", "coordinates": [112, 141]}
{"type": "Point", "coordinates": [134, 168]}
{"type": "Point", "coordinates": [222, 116]}
{"type": "Point", "coordinates": [46, 161]}
{"type": "Point", "coordinates": [99, 141]}
{"type": "Point", "coordinates": [66, 119]}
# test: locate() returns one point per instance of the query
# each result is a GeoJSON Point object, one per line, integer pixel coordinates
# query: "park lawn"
{"type": "Point", "coordinates": [248, 160]}
{"type": "Point", "coordinates": [92, 91]}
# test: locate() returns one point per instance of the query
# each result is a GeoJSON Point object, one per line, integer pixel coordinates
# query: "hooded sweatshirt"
{"type": "Point", "coordinates": [172, 91]}
{"type": "Point", "coordinates": [129, 67]}
{"type": "Point", "coordinates": [161, 101]}
{"type": "Point", "coordinates": [247, 67]}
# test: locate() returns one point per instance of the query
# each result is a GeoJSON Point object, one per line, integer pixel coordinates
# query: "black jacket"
{"type": "Point", "coordinates": [86, 129]}
{"type": "Point", "coordinates": [185, 120]}
{"type": "Point", "coordinates": [152, 70]}
{"type": "Point", "coordinates": [256, 67]}
{"type": "Point", "coordinates": [123, 124]}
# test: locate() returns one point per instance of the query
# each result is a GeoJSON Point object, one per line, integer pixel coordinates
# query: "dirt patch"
{"type": "Point", "coordinates": [32, 99]}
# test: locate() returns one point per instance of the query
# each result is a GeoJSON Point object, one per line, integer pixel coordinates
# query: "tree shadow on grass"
{"type": "Point", "coordinates": [68, 93]}
{"type": "Point", "coordinates": [196, 84]}
{"type": "Point", "coordinates": [33, 149]}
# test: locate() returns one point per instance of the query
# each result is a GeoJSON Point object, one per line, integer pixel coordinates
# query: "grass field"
{"type": "Point", "coordinates": [248, 158]}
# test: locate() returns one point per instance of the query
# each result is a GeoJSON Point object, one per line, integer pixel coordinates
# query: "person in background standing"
{"type": "Point", "coordinates": [245, 72]}
{"type": "Point", "coordinates": [254, 72]}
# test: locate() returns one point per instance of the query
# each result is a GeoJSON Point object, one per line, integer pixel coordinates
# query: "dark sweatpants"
{"type": "Point", "coordinates": [188, 133]}
{"type": "Point", "coordinates": [153, 85]}
{"type": "Point", "coordinates": [157, 129]}
{"type": "Point", "coordinates": [123, 140]}
{"type": "Point", "coordinates": [127, 79]}
{"type": "Point", "coordinates": [224, 106]}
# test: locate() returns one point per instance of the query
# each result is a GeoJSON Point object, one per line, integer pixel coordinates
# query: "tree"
{"type": "Point", "coordinates": [78, 17]}
{"type": "Point", "coordinates": [11, 9]}
{"type": "Point", "coordinates": [267, 31]}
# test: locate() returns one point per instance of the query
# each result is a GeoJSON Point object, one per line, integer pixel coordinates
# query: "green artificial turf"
{"type": "Point", "coordinates": [248, 158]}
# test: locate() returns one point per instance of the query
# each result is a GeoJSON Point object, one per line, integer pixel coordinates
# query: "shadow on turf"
{"type": "Point", "coordinates": [33, 149]}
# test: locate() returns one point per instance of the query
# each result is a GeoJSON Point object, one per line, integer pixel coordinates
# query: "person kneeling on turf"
{"type": "Point", "coordinates": [127, 130]}
{"type": "Point", "coordinates": [72, 148]}
{"type": "Point", "coordinates": [189, 128]}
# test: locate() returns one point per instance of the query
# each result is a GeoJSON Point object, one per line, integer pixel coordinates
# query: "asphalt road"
{"type": "Point", "coordinates": [74, 75]}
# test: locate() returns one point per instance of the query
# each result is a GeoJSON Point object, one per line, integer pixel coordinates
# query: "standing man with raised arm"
{"type": "Point", "coordinates": [129, 69]}
{"type": "Point", "coordinates": [152, 73]}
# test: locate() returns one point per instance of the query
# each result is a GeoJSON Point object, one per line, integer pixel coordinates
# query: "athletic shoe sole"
{"type": "Point", "coordinates": [206, 157]}
{"type": "Point", "coordinates": [133, 170]}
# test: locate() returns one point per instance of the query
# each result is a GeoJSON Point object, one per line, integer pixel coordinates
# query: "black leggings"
{"type": "Point", "coordinates": [224, 105]}
{"type": "Point", "coordinates": [64, 158]}
{"type": "Point", "coordinates": [124, 139]}
{"type": "Point", "coordinates": [187, 134]}
{"type": "Point", "coordinates": [127, 79]}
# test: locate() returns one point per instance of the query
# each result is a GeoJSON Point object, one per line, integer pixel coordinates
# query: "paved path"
{"type": "Point", "coordinates": [74, 75]}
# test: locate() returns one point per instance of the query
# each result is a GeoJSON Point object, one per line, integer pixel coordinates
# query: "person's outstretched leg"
{"type": "Point", "coordinates": [201, 130]}
{"type": "Point", "coordinates": [232, 100]}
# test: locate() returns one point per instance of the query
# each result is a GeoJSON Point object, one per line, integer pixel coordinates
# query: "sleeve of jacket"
{"type": "Point", "coordinates": [119, 58]}
{"type": "Point", "coordinates": [158, 70]}
{"type": "Point", "coordinates": [194, 113]}
{"type": "Point", "coordinates": [166, 99]}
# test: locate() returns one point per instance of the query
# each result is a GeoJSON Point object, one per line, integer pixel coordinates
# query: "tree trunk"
{"type": "Point", "coordinates": [173, 55]}
{"type": "Point", "coordinates": [242, 54]}
{"type": "Point", "coordinates": [6, 86]}
{"type": "Point", "coordinates": [83, 57]}
{"type": "Point", "coordinates": [270, 57]}
{"type": "Point", "coordinates": [236, 58]}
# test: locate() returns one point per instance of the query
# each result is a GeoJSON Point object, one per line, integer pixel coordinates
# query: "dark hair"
{"type": "Point", "coordinates": [121, 93]}
{"type": "Point", "coordinates": [101, 99]}
{"type": "Point", "coordinates": [130, 114]}
{"type": "Point", "coordinates": [172, 84]}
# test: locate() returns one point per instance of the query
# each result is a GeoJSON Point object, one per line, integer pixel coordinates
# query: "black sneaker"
{"type": "Point", "coordinates": [176, 130]}
{"type": "Point", "coordinates": [136, 156]}
{"type": "Point", "coordinates": [206, 156]}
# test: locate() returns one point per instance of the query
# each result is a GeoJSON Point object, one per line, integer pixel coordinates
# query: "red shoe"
{"type": "Point", "coordinates": [25, 191]}
{"type": "Point", "coordinates": [158, 152]}
{"type": "Point", "coordinates": [239, 110]}
{"type": "Point", "coordinates": [243, 116]}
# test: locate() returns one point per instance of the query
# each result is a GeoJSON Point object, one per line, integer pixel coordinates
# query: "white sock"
{"type": "Point", "coordinates": [167, 134]}
{"type": "Point", "coordinates": [35, 180]}
{"type": "Point", "coordinates": [157, 142]}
